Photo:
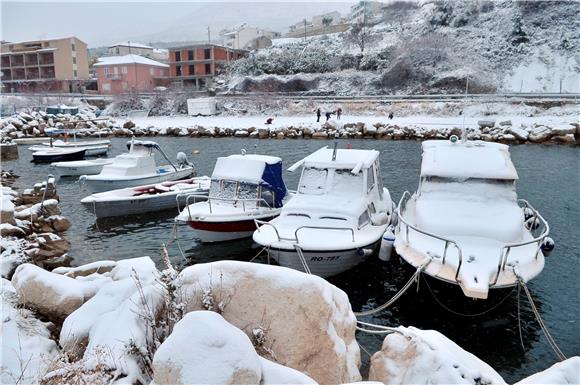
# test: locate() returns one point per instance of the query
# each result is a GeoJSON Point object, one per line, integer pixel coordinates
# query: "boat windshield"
{"type": "Point", "coordinates": [224, 189]}
{"type": "Point", "coordinates": [345, 182]}
{"type": "Point", "coordinates": [314, 181]}
{"type": "Point", "coordinates": [468, 189]}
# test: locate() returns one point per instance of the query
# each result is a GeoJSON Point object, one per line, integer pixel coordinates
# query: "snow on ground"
{"type": "Point", "coordinates": [26, 345]}
{"type": "Point", "coordinates": [280, 122]}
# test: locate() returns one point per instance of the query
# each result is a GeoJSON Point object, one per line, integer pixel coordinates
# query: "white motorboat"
{"type": "Point", "coordinates": [80, 143]}
{"type": "Point", "coordinates": [144, 199]}
{"type": "Point", "coordinates": [49, 155]}
{"type": "Point", "coordinates": [244, 188]}
{"type": "Point", "coordinates": [137, 168]}
{"type": "Point", "coordinates": [465, 225]}
{"type": "Point", "coordinates": [80, 167]}
{"type": "Point", "coordinates": [90, 149]}
{"type": "Point", "coordinates": [337, 216]}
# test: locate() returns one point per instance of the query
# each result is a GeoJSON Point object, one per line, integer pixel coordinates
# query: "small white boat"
{"type": "Point", "coordinates": [137, 168]}
{"type": "Point", "coordinates": [80, 167]}
{"type": "Point", "coordinates": [244, 188]}
{"type": "Point", "coordinates": [80, 143]}
{"type": "Point", "coordinates": [465, 224]}
{"type": "Point", "coordinates": [33, 140]}
{"type": "Point", "coordinates": [50, 155]}
{"type": "Point", "coordinates": [337, 216]}
{"type": "Point", "coordinates": [144, 199]}
{"type": "Point", "coordinates": [90, 150]}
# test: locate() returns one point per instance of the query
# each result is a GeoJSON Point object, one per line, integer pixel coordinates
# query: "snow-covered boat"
{"type": "Point", "coordinates": [144, 199]}
{"type": "Point", "coordinates": [137, 168]}
{"type": "Point", "coordinates": [337, 216]}
{"type": "Point", "coordinates": [50, 155]}
{"type": "Point", "coordinates": [80, 167]}
{"type": "Point", "coordinates": [465, 224]}
{"type": "Point", "coordinates": [244, 188]}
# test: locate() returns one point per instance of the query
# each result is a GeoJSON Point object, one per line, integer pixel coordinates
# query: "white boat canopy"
{"type": "Point", "coordinates": [355, 160]}
{"type": "Point", "coordinates": [244, 168]}
{"type": "Point", "coordinates": [477, 159]}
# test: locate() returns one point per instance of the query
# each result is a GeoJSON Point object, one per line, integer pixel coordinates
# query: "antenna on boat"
{"type": "Point", "coordinates": [335, 146]}
{"type": "Point", "coordinates": [463, 131]}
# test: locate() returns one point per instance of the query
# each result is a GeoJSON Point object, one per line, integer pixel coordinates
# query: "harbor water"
{"type": "Point", "coordinates": [549, 180]}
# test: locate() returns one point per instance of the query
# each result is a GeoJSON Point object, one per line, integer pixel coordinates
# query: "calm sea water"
{"type": "Point", "coordinates": [549, 179]}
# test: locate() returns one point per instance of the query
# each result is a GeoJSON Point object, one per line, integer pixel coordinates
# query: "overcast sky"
{"type": "Point", "coordinates": [105, 22]}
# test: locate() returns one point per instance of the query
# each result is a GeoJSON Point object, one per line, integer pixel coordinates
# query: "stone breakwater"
{"type": "Point", "coordinates": [31, 229]}
{"type": "Point", "coordinates": [88, 125]}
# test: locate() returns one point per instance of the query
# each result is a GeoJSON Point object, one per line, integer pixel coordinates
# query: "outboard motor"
{"type": "Point", "coordinates": [547, 246]}
{"type": "Point", "coordinates": [182, 160]}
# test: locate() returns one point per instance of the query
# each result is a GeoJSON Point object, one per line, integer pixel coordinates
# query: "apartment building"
{"type": "Point", "coordinates": [196, 65]}
{"type": "Point", "coordinates": [119, 74]}
{"type": "Point", "coordinates": [60, 65]}
{"type": "Point", "coordinates": [245, 37]}
{"type": "Point", "coordinates": [133, 48]}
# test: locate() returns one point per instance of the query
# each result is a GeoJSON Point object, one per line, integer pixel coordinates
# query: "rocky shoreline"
{"type": "Point", "coordinates": [36, 124]}
{"type": "Point", "coordinates": [31, 228]}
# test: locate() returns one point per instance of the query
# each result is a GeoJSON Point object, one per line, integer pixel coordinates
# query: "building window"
{"type": "Point", "coordinates": [124, 69]}
{"type": "Point", "coordinates": [207, 53]}
{"type": "Point", "coordinates": [191, 69]}
{"type": "Point", "coordinates": [208, 68]}
{"type": "Point", "coordinates": [73, 47]}
{"type": "Point", "coordinates": [190, 55]}
{"type": "Point", "coordinates": [74, 60]}
{"type": "Point", "coordinates": [75, 74]}
{"type": "Point", "coordinates": [178, 70]}
{"type": "Point", "coordinates": [178, 56]}
{"type": "Point", "coordinates": [107, 71]}
{"type": "Point", "coordinates": [151, 71]}
{"type": "Point", "coordinates": [117, 51]}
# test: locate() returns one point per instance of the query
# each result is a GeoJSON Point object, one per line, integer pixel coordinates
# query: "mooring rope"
{"type": "Point", "coordinates": [259, 253]}
{"type": "Point", "coordinates": [549, 337]}
{"type": "Point", "coordinates": [174, 236]}
{"type": "Point", "coordinates": [414, 278]}
{"type": "Point", "coordinates": [465, 314]}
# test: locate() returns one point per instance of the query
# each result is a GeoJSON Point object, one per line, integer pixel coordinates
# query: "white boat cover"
{"type": "Point", "coordinates": [473, 159]}
{"type": "Point", "coordinates": [354, 160]}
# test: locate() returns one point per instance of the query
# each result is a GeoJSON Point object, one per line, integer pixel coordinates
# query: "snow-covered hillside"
{"type": "Point", "coordinates": [428, 46]}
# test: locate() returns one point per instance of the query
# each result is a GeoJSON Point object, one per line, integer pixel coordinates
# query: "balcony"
{"type": "Point", "coordinates": [46, 59]}
{"type": "Point", "coordinates": [18, 74]}
{"type": "Point", "coordinates": [47, 73]}
{"type": "Point", "coordinates": [31, 59]}
{"type": "Point", "coordinates": [114, 76]}
{"type": "Point", "coordinates": [5, 61]}
{"type": "Point", "coordinates": [32, 74]}
{"type": "Point", "coordinates": [17, 61]}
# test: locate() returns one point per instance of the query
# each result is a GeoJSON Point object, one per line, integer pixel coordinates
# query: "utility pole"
{"type": "Point", "coordinates": [305, 30]}
{"type": "Point", "coordinates": [364, 28]}
{"type": "Point", "coordinates": [208, 35]}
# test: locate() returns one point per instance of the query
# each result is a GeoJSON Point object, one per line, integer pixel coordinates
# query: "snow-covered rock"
{"type": "Point", "coordinates": [563, 130]}
{"type": "Point", "coordinates": [115, 317]}
{"type": "Point", "coordinates": [540, 134]}
{"type": "Point", "coordinates": [26, 345]}
{"type": "Point", "coordinates": [565, 372]}
{"type": "Point", "coordinates": [309, 323]}
{"type": "Point", "coordinates": [205, 349]}
{"type": "Point", "coordinates": [276, 374]}
{"type": "Point", "coordinates": [53, 295]}
{"type": "Point", "coordinates": [414, 356]}
{"type": "Point", "coordinates": [519, 133]}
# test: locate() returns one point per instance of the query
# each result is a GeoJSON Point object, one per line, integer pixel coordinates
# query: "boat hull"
{"type": "Point", "coordinates": [64, 170]}
{"type": "Point", "coordinates": [56, 157]}
{"type": "Point", "coordinates": [95, 185]}
{"type": "Point", "coordinates": [324, 263]}
{"type": "Point", "coordinates": [209, 232]}
{"type": "Point", "coordinates": [116, 208]}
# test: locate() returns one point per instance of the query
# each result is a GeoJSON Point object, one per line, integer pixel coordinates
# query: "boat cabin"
{"type": "Point", "coordinates": [342, 185]}
{"type": "Point", "coordinates": [248, 178]}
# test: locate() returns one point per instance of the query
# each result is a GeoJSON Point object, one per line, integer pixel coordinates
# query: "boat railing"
{"type": "Point", "coordinates": [209, 199]}
{"type": "Point", "coordinates": [538, 240]}
{"type": "Point", "coordinates": [296, 239]}
{"type": "Point", "coordinates": [402, 205]}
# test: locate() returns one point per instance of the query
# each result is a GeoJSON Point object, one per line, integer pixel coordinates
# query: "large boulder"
{"type": "Point", "coordinates": [26, 345]}
{"type": "Point", "coordinates": [205, 349]}
{"type": "Point", "coordinates": [52, 295]}
{"type": "Point", "coordinates": [414, 356]}
{"type": "Point", "coordinates": [307, 323]}
{"type": "Point", "coordinates": [565, 372]}
{"type": "Point", "coordinates": [519, 133]}
{"type": "Point", "coordinates": [540, 134]}
{"type": "Point", "coordinates": [563, 129]}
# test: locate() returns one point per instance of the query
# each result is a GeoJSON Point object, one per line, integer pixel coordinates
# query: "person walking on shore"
{"type": "Point", "coordinates": [338, 113]}
{"type": "Point", "coordinates": [328, 115]}
{"type": "Point", "coordinates": [318, 113]}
